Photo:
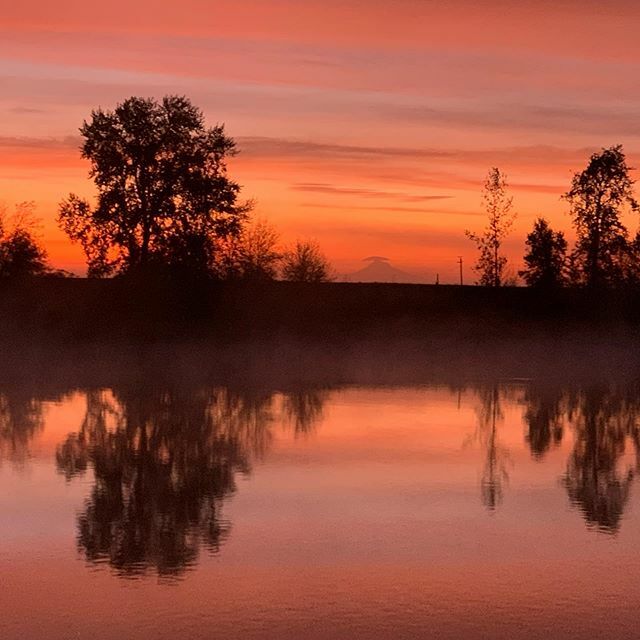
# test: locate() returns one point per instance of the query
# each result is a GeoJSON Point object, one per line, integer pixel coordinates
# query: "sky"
{"type": "Point", "coordinates": [367, 125]}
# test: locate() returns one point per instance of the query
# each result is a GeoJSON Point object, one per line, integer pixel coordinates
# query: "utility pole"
{"type": "Point", "coordinates": [460, 263]}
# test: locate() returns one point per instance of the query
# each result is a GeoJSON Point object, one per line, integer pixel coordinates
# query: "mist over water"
{"type": "Point", "coordinates": [280, 490]}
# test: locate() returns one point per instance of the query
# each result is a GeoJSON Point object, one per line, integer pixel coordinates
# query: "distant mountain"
{"type": "Point", "coordinates": [379, 270]}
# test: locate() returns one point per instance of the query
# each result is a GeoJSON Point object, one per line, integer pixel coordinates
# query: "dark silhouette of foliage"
{"type": "Point", "coordinates": [491, 264]}
{"type": "Point", "coordinates": [629, 263]}
{"type": "Point", "coordinates": [546, 257]}
{"type": "Point", "coordinates": [597, 197]}
{"type": "Point", "coordinates": [164, 196]}
{"type": "Point", "coordinates": [305, 262]}
{"type": "Point", "coordinates": [20, 252]}
{"type": "Point", "coordinates": [251, 255]}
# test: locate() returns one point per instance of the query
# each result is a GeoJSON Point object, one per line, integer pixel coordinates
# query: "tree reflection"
{"type": "Point", "coordinates": [303, 408]}
{"type": "Point", "coordinates": [20, 420]}
{"type": "Point", "coordinates": [605, 421]}
{"type": "Point", "coordinates": [495, 472]}
{"type": "Point", "coordinates": [598, 478]}
{"type": "Point", "coordinates": [164, 462]}
{"type": "Point", "coordinates": [544, 418]}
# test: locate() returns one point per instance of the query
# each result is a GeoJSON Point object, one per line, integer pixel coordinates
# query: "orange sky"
{"type": "Point", "coordinates": [368, 125]}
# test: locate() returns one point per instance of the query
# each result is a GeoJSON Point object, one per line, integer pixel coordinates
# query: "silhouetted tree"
{"type": "Point", "coordinates": [498, 204]}
{"type": "Point", "coordinates": [597, 198]}
{"type": "Point", "coordinates": [20, 252]}
{"type": "Point", "coordinates": [546, 257]}
{"type": "Point", "coordinates": [252, 255]}
{"type": "Point", "coordinates": [629, 262]}
{"type": "Point", "coordinates": [305, 262]}
{"type": "Point", "coordinates": [163, 192]}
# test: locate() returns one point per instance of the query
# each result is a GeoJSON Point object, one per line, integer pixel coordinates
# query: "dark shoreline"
{"type": "Point", "coordinates": [78, 309]}
{"type": "Point", "coordinates": [285, 334]}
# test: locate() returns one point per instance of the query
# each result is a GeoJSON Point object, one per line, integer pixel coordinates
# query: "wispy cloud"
{"type": "Point", "coordinates": [41, 144]}
{"type": "Point", "coordinates": [607, 119]}
{"type": "Point", "coordinates": [25, 111]}
{"type": "Point", "coordinates": [390, 209]}
{"type": "Point", "coordinates": [329, 189]}
{"type": "Point", "coordinates": [264, 147]}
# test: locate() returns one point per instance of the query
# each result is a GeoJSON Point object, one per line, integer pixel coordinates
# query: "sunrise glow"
{"type": "Point", "coordinates": [369, 126]}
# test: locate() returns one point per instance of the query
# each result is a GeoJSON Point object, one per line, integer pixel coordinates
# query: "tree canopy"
{"type": "Point", "coordinates": [164, 196]}
{"type": "Point", "coordinates": [21, 254]}
{"type": "Point", "coordinates": [546, 256]}
{"type": "Point", "coordinates": [597, 197]}
{"type": "Point", "coordinates": [305, 262]}
{"type": "Point", "coordinates": [491, 264]}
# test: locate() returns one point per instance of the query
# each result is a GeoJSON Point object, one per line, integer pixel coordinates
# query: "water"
{"type": "Point", "coordinates": [498, 510]}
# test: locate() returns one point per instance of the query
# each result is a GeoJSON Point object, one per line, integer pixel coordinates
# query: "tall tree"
{"type": "Point", "coordinates": [491, 264]}
{"type": "Point", "coordinates": [598, 196]}
{"type": "Point", "coordinates": [163, 191]}
{"type": "Point", "coordinates": [546, 256]}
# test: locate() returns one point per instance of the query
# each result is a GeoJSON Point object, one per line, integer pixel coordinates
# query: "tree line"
{"type": "Point", "coordinates": [166, 204]}
{"type": "Point", "coordinates": [603, 256]}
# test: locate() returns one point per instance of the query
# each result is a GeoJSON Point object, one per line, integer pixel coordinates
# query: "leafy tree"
{"type": "Point", "coordinates": [163, 191]}
{"type": "Point", "coordinates": [630, 262]}
{"type": "Point", "coordinates": [252, 255]}
{"type": "Point", "coordinates": [597, 197]}
{"type": "Point", "coordinates": [546, 257]}
{"type": "Point", "coordinates": [491, 264]}
{"type": "Point", "coordinates": [305, 262]}
{"type": "Point", "coordinates": [20, 252]}
{"type": "Point", "coordinates": [259, 256]}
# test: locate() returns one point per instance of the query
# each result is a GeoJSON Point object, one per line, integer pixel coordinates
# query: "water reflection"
{"type": "Point", "coordinates": [598, 478]}
{"type": "Point", "coordinates": [164, 459]}
{"type": "Point", "coordinates": [304, 408]}
{"type": "Point", "coordinates": [495, 472]}
{"type": "Point", "coordinates": [20, 420]}
{"type": "Point", "coordinates": [544, 418]}
{"type": "Point", "coordinates": [602, 464]}
{"type": "Point", "coordinates": [163, 462]}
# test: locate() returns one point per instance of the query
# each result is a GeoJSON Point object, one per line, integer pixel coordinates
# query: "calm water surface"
{"type": "Point", "coordinates": [506, 510]}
